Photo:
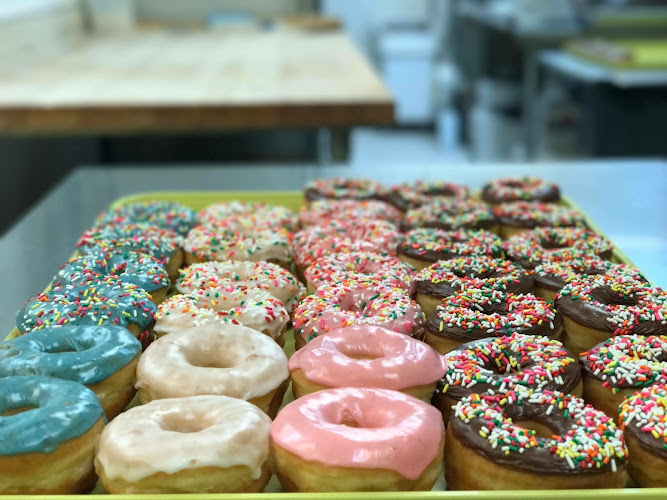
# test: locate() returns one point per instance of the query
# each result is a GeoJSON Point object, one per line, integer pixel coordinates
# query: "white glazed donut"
{"type": "Point", "coordinates": [199, 444]}
{"type": "Point", "coordinates": [227, 360]}
{"type": "Point", "coordinates": [231, 214]}
{"type": "Point", "coordinates": [215, 277]}
{"type": "Point", "coordinates": [237, 305]}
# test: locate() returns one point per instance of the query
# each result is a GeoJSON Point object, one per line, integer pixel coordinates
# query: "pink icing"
{"type": "Point", "coordinates": [395, 431]}
{"type": "Point", "coordinates": [401, 362]}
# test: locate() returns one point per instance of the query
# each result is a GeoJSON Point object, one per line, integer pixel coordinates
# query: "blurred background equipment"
{"type": "Point", "coordinates": [121, 82]}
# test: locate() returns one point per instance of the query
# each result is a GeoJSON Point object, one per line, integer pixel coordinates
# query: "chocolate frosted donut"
{"type": "Point", "coordinates": [501, 363]}
{"type": "Point", "coordinates": [344, 189]}
{"type": "Point", "coordinates": [422, 246]}
{"type": "Point", "coordinates": [532, 440]}
{"type": "Point", "coordinates": [597, 307]}
{"type": "Point", "coordinates": [537, 246]}
{"type": "Point", "coordinates": [477, 313]}
{"type": "Point", "coordinates": [444, 278]}
{"type": "Point", "coordinates": [451, 214]}
{"type": "Point", "coordinates": [519, 216]}
{"type": "Point", "coordinates": [411, 195]}
{"type": "Point", "coordinates": [520, 188]}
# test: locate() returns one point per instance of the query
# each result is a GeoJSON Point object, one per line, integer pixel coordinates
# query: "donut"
{"type": "Point", "coordinates": [520, 216]}
{"type": "Point", "coordinates": [520, 189]}
{"type": "Point", "coordinates": [643, 417]}
{"type": "Point", "coordinates": [217, 276]}
{"type": "Point", "coordinates": [239, 215]}
{"type": "Point", "coordinates": [344, 189]}
{"type": "Point", "coordinates": [165, 214]}
{"type": "Point", "coordinates": [235, 305]}
{"type": "Point", "coordinates": [354, 439]}
{"type": "Point", "coordinates": [537, 246]}
{"type": "Point", "coordinates": [205, 243]}
{"type": "Point", "coordinates": [422, 246]}
{"type": "Point", "coordinates": [219, 360]}
{"type": "Point", "coordinates": [359, 266]}
{"type": "Point", "coordinates": [498, 364]}
{"type": "Point", "coordinates": [131, 267]}
{"type": "Point", "coordinates": [532, 440]}
{"type": "Point", "coordinates": [453, 213]}
{"type": "Point", "coordinates": [568, 265]}
{"type": "Point", "coordinates": [597, 307]}
{"type": "Point", "coordinates": [104, 302]}
{"type": "Point", "coordinates": [198, 444]}
{"type": "Point", "coordinates": [321, 211]}
{"type": "Point", "coordinates": [343, 236]}
{"type": "Point", "coordinates": [446, 277]}
{"type": "Point", "coordinates": [333, 307]}
{"type": "Point", "coordinates": [476, 313]}
{"type": "Point", "coordinates": [413, 194]}
{"type": "Point", "coordinates": [366, 356]}
{"type": "Point", "coordinates": [103, 358]}
{"type": "Point", "coordinates": [617, 367]}
{"type": "Point", "coordinates": [162, 244]}
{"type": "Point", "coordinates": [48, 429]}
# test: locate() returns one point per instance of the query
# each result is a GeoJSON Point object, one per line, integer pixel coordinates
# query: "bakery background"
{"type": "Point", "coordinates": [438, 82]}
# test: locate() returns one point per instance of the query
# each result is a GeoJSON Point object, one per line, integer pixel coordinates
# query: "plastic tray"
{"type": "Point", "coordinates": [293, 200]}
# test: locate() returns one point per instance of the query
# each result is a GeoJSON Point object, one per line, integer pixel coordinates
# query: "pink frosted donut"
{"type": "Point", "coordinates": [359, 266]}
{"type": "Point", "coordinates": [355, 439]}
{"type": "Point", "coordinates": [324, 210]}
{"type": "Point", "coordinates": [343, 236]}
{"type": "Point", "coordinates": [354, 303]}
{"type": "Point", "coordinates": [366, 356]}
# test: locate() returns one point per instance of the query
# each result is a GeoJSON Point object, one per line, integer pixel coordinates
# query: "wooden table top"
{"type": "Point", "coordinates": [198, 80]}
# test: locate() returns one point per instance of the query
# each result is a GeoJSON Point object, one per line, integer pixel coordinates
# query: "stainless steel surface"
{"type": "Point", "coordinates": [626, 198]}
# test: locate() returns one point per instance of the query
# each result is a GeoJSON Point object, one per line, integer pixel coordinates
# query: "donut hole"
{"type": "Point", "coordinates": [204, 358]}
{"type": "Point", "coordinates": [507, 365]}
{"type": "Point", "coordinates": [361, 352]}
{"type": "Point", "coordinates": [60, 349]}
{"type": "Point", "coordinates": [186, 424]}
{"type": "Point", "coordinates": [541, 429]}
{"type": "Point", "coordinates": [554, 245]}
{"type": "Point", "coordinates": [15, 411]}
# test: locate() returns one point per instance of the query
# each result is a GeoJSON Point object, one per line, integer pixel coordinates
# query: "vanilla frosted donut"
{"type": "Point", "coordinates": [333, 307]}
{"type": "Point", "coordinates": [366, 356]}
{"type": "Point", "coordinates": [199, 444]}
{"type": "Point", "coordinates": [238, 214]}
{"type": "Point", "coordinates": [237, 305]}
{"type": "Point", "coordinates": [208, 243]}
{"type": "Point", "coordinates": [226, 360]}
{"type": "Point", "coordinates": [359, 266]}
{"type": "Point", "coordinates": [324, 210]}
{"type": "Point", "coordinates": [217, 277]}
{"type": "Point", "coordinates": [343, 236]}
{"type": "Point", "coordinates": [355, 439]}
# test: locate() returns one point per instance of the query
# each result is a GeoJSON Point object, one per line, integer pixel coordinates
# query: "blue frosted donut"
{"type": "Point", "coordinates": [165, 214]}
{"type": "Point", "coordinates": [107, 301]}
{"type": "Point", "coordinates": [131, 267]}
{"type": "Point", "coordinates": [54, 421]}
{"type": "Point", "coordinates": [90, 355]}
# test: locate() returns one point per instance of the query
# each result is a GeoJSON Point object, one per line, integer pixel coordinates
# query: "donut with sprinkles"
{"type": "Point", "coordinates": [476, 313]}
{"type": "Point", "coordinates": [165, 214]}
{"type": "Point", "coordinates": [526, 439]}
{"type": "Point", "coordinates": [344, 189]}
{"type": "Point", "coordinates": [643, 417]}
{"type": "Point", "coordinates": [338, 306]}
{"type": "Point", "coordinates": [320, 211]}
{"type": "Point", "coordinates": [413, 194]}
{"type": "Point", "coordinates": [520, 189]}
{"type": "Point", "coordinates": [452, 213]}
{"type": "Point", "coordinates": [446, 277]}
{"type": "Point", "coordinates": [243, 216]}
{"type": "Point", "coordinates": [597, 307]}
{"type": "Point", "coordinates": [422, 246]}
{"type": "Point", "coordinates": [500, 363]}
{"type": "Point", "coordinates": [535, 247]}
{"type": "Point", "coordinates": [616, 368]}
{"type": "Point", "coordinates": [519, 216]}
{"type": "Point", "coordinates": [367, 267]}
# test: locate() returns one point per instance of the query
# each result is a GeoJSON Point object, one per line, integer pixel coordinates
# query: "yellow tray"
{"type": "Point", "coordinates": [293, 200]}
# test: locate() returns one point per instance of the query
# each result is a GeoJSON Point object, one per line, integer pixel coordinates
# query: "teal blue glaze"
{"type": "Point", "coordinates": [95, 353]}
{"type": "Point", "coordinates": [165, 214]}
{"type": "Point", "coordinates": [93, 301]}
{"type": "Point", "coordinates": [63, 410]}
{"type": "Point", "coordinates": [131, 267]}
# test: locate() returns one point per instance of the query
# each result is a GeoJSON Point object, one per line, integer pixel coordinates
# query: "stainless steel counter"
{"type": "Point", "coordinates": [626, 198]}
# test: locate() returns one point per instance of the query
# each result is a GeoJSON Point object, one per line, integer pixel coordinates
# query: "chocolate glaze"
{"type": "Point", "coordinates": [548, 193]}
{"type": "Point", "coordinates": [647, 441]}
{"type": "Point", "coordinates": [538, 459]}
{"type": "Point", "coordinates": [480, 224]}
{"type": "Point", "coordinates": [445, 289]}
{"type": "Point", "coordinates": [395, 198]}
{"type": "Point", "coordinates": [433, 256]}
{"type": "Point", "coordinates": [312, 194]}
